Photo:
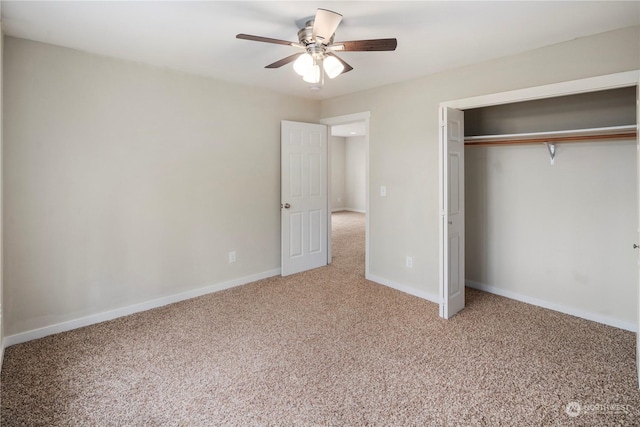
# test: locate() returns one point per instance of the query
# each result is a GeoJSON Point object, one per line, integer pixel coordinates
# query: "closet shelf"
{"type": "Point", "coordinates": [576, 135]}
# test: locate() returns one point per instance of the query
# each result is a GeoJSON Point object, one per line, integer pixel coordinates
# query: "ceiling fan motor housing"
{"type": "Point", "coordinates": [315, 48]}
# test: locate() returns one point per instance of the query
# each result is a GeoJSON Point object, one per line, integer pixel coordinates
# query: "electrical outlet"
{"type": "Point", "coordinates": [232, 257]}
{"type": "Point", "coordinates": [383, 191]}
{"type": "Point", "coordinates": [409, 262]}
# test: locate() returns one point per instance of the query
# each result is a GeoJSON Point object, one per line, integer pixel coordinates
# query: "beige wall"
{"type": "Point", "coordinates": [348, 169]}
{"type": "Point", "coordinates": [124, 182]}
{"type": "Point", "coordinates": [404, 142]}
{"type": "Point", "coordinates": [355, 173]}
{"type": "Point", "coordinates": [337, 172]}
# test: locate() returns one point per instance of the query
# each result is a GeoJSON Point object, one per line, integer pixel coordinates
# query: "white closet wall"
{"type": "Point", "coordinates": [562, 234]}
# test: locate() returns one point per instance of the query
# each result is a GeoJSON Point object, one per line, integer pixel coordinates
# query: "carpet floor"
{"type": "Point", "coordinates": [326, 347]}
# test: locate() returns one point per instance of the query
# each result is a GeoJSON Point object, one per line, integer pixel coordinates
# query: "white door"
{"type": "Point", "coordinates": [303, 196]}
{"type": "Point", "coordinates": [451, 212]}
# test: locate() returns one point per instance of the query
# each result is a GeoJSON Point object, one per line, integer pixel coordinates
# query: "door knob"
{"type": "Point", "coordinates": [287, 205]}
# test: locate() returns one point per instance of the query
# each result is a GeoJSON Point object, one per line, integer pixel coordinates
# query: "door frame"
{"type": "Point", "coordinates": [341, 120]}
{"type": "Point", "coordinates": [572, 87]}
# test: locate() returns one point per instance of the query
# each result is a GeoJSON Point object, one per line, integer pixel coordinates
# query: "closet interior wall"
{"type": "Point", "coordinates": [559, 235]}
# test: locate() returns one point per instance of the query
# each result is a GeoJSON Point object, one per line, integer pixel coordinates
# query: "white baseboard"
{"type": "Point", "coordinates": [404, 288]}
{"type": "Point", "coordinates": [131, 309]}
{"type": "Point", "coordinates": [595, 317]}
{"type": "Point", "coordinates": [348, 210]}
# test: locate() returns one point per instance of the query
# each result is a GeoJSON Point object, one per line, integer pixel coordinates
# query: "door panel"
{"type": "Point", "coordinates": [452, 275]}
{"type": "Point", "coordinates": [295, 235]}
{"type": "Point", "coordinates": [295, 175]}
{"type": "Point", "coordinates": [303, 196]}
{"type": "Point", "coordinates": [454, 262]}
{"type": "Point", "coordinates": [454, 184]}
{"type": "Point", "coordinates": [315, 184]}
{"type": "Point", "coordinates": [315, 232]}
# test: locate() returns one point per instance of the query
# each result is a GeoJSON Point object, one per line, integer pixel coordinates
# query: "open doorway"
{"type": "Point", "coordinates": [348, 192]}
{"type": "Point", "coordinates": [348, 189]}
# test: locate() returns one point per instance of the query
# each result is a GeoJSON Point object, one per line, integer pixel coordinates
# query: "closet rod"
{"type": "Point", "coordinates": [578, 135]}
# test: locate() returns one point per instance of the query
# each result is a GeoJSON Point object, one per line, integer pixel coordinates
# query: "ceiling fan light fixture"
{"type": "Point", "coordinates": [313, 75]}
{"type": "Point", "coordinates": [303, 64]}
{"type": "Point", "coordinates": [317, 58]}
{"type": "Point", "coordinates": [332, 66]}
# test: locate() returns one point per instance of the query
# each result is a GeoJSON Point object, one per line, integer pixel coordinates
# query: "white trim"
{"type": "Point", "coordinates": [350, 118]}
{"type": "Point", "coordinates": [403, 288]}
{"type": "Point", "coordinates": [592, 84]}
{"type": "Point", "coordinates": [595, 317]}
{"type": "Point", "coordinates": [350, 210]}
{"type": "Point", "coordinates": [329, 195]}
{"type": "Point", "coordinates": [2, 91]}
{"type": "Point", "coordinates": [638, 184]}
{"type": "Point", "coordinates": [136, 308]}
{"type": "Point", "coordinates": [442, 301]}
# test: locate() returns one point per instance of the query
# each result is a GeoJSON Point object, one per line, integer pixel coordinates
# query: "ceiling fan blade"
{"type": "Point", "coordinates": [265, 40]}
{"type": "Point", "coordinates": [325, 24]}
{"type": "Point", "coordinates": [284, 61]}
{"type": "Point", "coordinates": [347, 67]}
{"type": "Point", "coordinates": [366, 45]}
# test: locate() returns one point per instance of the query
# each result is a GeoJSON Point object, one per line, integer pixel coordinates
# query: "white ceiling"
{"type": "Point", "coordinates": [199, 37]}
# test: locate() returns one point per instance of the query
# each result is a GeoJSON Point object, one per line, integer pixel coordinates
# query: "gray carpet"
{"type": "Point", "coordinates": [326, 347]}
{"type": "Point", "coordinates": [348, 242]}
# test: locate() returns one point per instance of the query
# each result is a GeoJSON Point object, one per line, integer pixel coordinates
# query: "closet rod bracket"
{"type": "Point", "coordinates": [552, 151]}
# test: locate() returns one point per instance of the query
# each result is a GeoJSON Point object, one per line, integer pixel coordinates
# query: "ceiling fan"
{"type": "Point", "coordinates": [317, 57]}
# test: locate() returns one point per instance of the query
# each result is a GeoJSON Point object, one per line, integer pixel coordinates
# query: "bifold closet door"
{"type": "Point", "coordinates": [452, 273]}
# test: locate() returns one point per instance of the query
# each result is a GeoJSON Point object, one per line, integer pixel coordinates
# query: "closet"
{"type": "Point", "coordinates": [551, 203]}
